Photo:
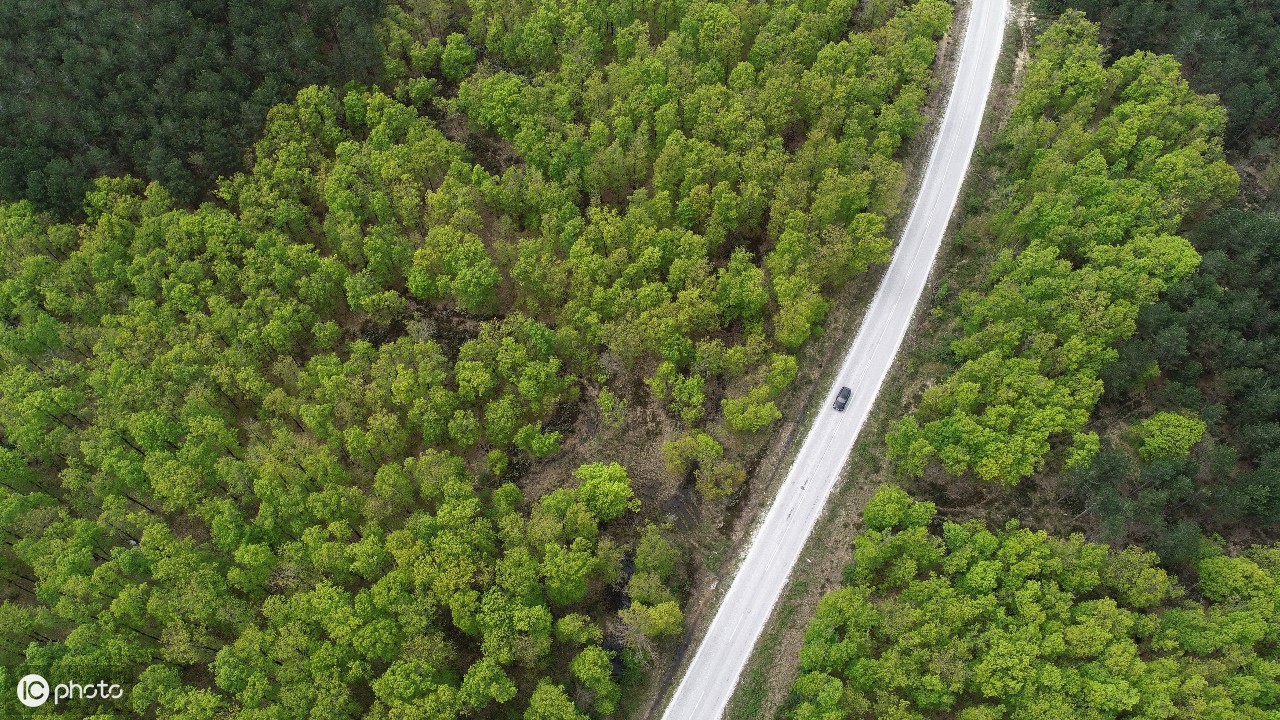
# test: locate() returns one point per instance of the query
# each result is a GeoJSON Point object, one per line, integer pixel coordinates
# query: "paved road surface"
{"type": "Point", "coordinates": [711, 678]}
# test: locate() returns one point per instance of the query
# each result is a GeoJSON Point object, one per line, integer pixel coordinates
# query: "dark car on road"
{"type": "Point", "coordinates": [842, 398]}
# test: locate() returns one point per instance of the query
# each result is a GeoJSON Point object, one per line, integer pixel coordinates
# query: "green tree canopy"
{"type": "Point", "coordinates": [1103, 165]}
{"type": "Point", "coordinates": [965, 621]}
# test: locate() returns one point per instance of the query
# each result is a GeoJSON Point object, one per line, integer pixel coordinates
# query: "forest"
{"type": "Point", "coordinates": [1208, 349]}
{"type": "Point", "coordinates": [281, 429]}
{"type": "Point", "coordinates": [979, 623]}
{"type": "Point", "coordinates": [1230, 48]}
{"type": "Point", "coordinates": [171, 90]}
{"type": "Point", "coordinates": [1153, 413]}
{"type": "Point", "coordinates": [409, 358]}
{"type": "Point", "coordinates": [1102, 165]}
{"type": "Point", "coordinates": [1112, 372]}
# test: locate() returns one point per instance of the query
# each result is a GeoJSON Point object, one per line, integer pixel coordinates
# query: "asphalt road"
{"type": "Point", "coordinates": [710, 679]}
